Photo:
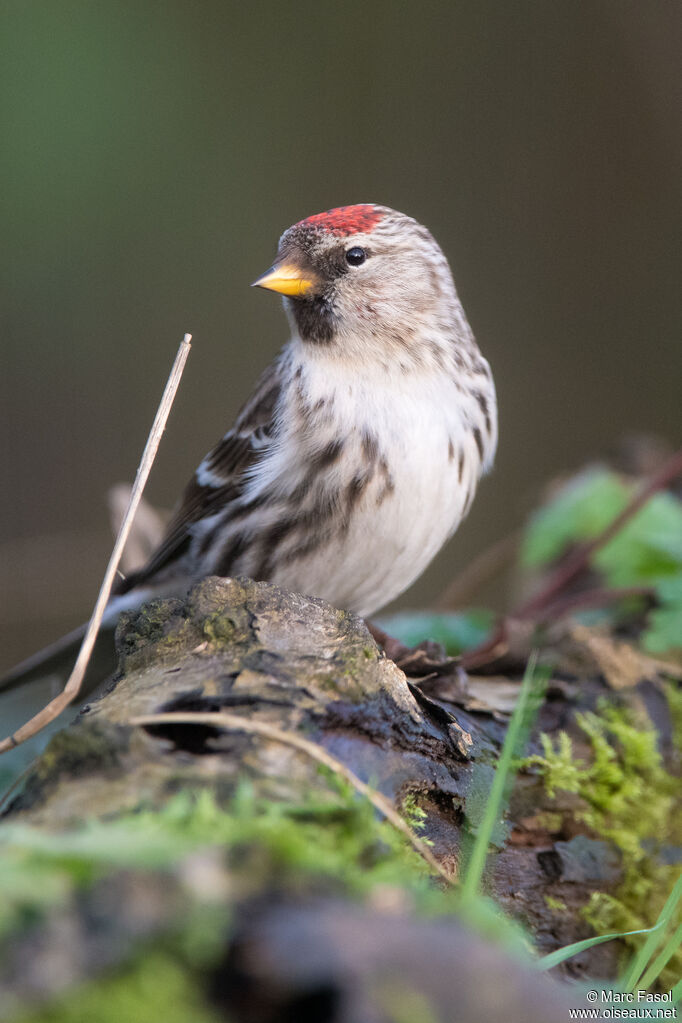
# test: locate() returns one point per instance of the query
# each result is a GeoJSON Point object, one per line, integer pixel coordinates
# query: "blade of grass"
{"type": "Point", "coordinates": [530, 691]}
{"type": "Point", "coordinates": [662, 959]}
{"type": "Point", "coordinates": [639, 961]}
{"type": "Point", "coordinates": [561, 954]}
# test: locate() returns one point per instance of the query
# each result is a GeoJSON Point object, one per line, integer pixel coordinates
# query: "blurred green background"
{"type": "Point", "coordinates": [152, 153]}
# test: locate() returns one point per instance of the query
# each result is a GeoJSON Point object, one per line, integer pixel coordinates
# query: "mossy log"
{"type": "Point", "coordinates": [303, 666]}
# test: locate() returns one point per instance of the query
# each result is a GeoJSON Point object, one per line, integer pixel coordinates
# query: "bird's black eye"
{"type": "Point", "coordinates": [356, 256]}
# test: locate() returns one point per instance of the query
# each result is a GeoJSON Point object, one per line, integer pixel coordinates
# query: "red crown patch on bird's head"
{"type": "Point", "coordinates": [345, 220]}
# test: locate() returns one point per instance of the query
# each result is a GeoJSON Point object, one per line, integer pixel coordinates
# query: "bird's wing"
{"type": "Point", "coordinates": [220, 477]}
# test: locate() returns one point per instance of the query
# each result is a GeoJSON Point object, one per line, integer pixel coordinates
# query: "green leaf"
{"type": "Point", "coordinates": [582, 508]}
{"type": "Point", "coordinates": [664, 625]}
{"type": "Point", "coordinates": [664, 630]}
{"type": "Point", "coordinates": [646, 551]}
{"type": "Point", "coordinates": [457, 631]}
{"type": "Point", "coordinates": [648, 547]}
{"type": "Point", "coordinates": [670, 590]}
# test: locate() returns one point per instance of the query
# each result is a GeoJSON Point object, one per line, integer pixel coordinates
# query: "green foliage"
{"type": "Point", "coordinates": [674, 696]}
{"type": "Point", "coordinates": [332, 838]}
{"type": "Point", "coordinates": [647, 551]}
{"type": "Point", "coordinates": [333, 835]}
{"type": "Point", "coordinates": [561, 770]}
{"type": "Point", "coordinates": [580, 510]}
{"type": "Point", "coordinates": [630, 800]}
{"type": "Point", "coordinates": [414, 814]}
{"type": "Point", "coordinates": [403, 1004]}
{"type": "Point", "coordinates": [457, 632]}
{"type": "Point", "coordinates": [665, 622]}
{"type": "Point", "coordinates": [155, 986]}
{"type": "Point", "coordinates": [484, 824]}
{"type": "Point", "coordinates": [629, 796]}
{"type": "Point", "coordinates": [637, 973]}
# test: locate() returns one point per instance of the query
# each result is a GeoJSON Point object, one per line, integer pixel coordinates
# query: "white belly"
{"type": "Point", "coordinates": [412, 504]}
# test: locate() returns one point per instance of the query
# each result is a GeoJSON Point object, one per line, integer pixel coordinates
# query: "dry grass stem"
{"type": "Point", "coordinates": [233, 722]}
{"type": "Point", "coordinates": [72, 687]}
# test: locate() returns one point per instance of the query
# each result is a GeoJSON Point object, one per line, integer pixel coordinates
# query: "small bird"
{"type": "Point", "coordinates": [359, 452]}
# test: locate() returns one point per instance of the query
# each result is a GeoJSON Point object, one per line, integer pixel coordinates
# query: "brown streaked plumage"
{"type": "Point", "coordinates": [360, 449]}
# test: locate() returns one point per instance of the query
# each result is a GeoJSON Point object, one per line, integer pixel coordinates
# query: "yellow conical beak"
{"type": "Point", "coordinates": [287, 279]}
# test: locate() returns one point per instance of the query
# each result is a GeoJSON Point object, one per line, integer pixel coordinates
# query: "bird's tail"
{"type": "Point", "coordinates": [56, 659]}
{"type": "Point", "coordinates": [28, 687]}
{"type": "Point", "coordinates": [56, 662]}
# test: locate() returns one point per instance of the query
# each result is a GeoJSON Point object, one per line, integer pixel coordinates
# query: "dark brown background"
{"type": "Point", "coordinates": [152, 153]}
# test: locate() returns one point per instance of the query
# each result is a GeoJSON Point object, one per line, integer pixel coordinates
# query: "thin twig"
{"type": "Point", "coordinates": [598, 597]}
{"type": "Point", "coordinates": [72, 687]}
{"type": "Point", "coordinates": [577, 562]}
{"type": "Point", "coordinates": [481, 569]}
{"type": "Point", "coordinates": [496, 645]}
{"type": "Point", "coordinates": [233, 722]}
{"type": "Point", "coordinates": [548, 603]}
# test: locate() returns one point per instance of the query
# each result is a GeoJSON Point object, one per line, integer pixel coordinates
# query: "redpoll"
{"type": "Point", "coordinates": [359, 452]}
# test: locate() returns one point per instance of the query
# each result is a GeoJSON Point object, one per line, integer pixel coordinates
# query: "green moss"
{"type": "Point", "coordinates": [331, 837]}
{"type": "Point", "coordinates": [156, 629]}
{"type": "Point", "coordinates": [414, 814]}
{"type": "Point", "coordinates": [629, 799]}
{"type": "Point", "coordinates": [403, 1004]}
{"type": "Point", "coordinates": [220, 628]}
{"type": "Point", "coordinates": [350, 678]}
{"type": "Point", "coordinates": [330, 841]}
{"type": "Point", "coordinates": [558, 765]}
{"type": "Point", "coordinates": [156, 986]}
{"type": "Point", "coordinates": [179, 638]}
{"type": "Point", "coordinates": [91, 744]}
{"type": "Point", "coordinates": [148, 624]}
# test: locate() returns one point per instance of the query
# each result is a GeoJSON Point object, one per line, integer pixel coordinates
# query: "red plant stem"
{"type": "Point", "coordinates": [579, 560]}
{"type": "Point", "coordinates": [548, 604]}
{"type": "Point", "coordinates": [496, 644]}
{"type": "Point", "coordinates": [597, 597]}
{"type": "Point", "coordinates": [489, 650]}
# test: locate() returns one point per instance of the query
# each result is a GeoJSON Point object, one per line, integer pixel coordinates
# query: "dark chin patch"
{"type": "Point", "coordinates": [315, 319]}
